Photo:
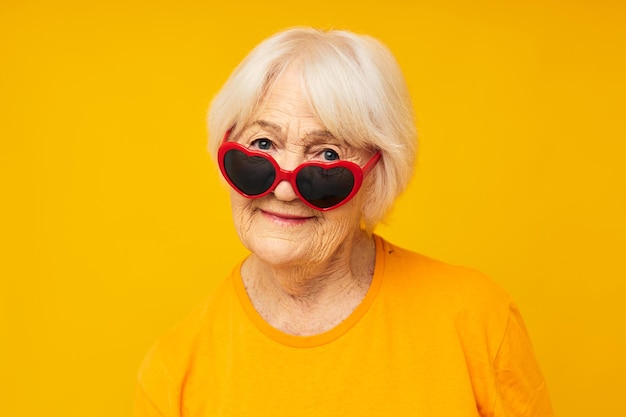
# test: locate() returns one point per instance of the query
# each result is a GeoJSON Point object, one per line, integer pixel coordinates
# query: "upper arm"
{"type": "Point", "coordinates": [520, 386]}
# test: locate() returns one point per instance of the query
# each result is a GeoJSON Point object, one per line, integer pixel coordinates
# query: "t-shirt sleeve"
{"type": "Point", "coordinates": [144, 407]}
{"type": "Point", "coordinates": [158, 388]}
{"type": "Point", "coordinates": [521, 388]}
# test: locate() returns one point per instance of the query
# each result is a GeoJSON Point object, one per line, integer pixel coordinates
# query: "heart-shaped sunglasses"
{"type": "Point", "coordinates": [320, 185]}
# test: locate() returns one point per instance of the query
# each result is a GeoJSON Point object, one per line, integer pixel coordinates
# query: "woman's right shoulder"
{"type": "Point", "coordinates": [174, 352]}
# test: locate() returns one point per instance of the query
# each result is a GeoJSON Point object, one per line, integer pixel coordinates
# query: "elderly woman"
{"type": "Point", "coordinates": [314, 133]}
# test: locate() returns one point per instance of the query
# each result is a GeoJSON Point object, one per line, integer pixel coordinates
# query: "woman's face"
{"type": "Point", "coordinates": [279, 228]}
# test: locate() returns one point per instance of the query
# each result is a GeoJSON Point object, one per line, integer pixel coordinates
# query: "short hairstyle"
{"type": "Point", "coordinates": [352, 83]}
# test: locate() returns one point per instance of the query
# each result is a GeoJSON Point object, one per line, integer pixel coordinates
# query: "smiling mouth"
{"type": "Point", "coordinates": [285, 218]}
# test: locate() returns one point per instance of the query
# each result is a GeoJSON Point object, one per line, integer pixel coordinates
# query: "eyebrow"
{"type": "Point", "coordinates": [318, 134]}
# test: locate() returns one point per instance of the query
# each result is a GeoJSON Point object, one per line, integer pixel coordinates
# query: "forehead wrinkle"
{"type": "Point", "coordinates": [265, 125]}
{"type": "Point", "coordinates": [309, 138]}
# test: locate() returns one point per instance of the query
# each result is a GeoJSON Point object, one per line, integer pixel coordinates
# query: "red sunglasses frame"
{"type": "Point", "coordinates": [358, 173]}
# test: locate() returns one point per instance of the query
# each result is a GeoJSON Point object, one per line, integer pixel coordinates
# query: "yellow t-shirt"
{"type": "Point", "coordinates": [429, 339]}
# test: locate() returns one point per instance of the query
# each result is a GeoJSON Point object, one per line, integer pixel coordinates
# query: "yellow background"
{"type": "Point", "coordinates": [114, 223]}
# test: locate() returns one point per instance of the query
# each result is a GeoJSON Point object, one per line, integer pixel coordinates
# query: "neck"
{"type": "Point", "coordinates": [310, 299]}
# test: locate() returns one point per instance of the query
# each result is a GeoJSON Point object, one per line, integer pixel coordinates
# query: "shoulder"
{"type": "Point", "coordinates": [481, 318]}
{"type": "Point", "coordinates": [194, 328]}
{"type": "Point", "coordinates": [436, 282]}
{"type": "Point", "coordinates": [460, 302]}
{"type": "Point", "coordinates": [175, 353]}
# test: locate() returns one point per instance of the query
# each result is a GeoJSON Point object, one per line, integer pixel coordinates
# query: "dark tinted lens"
{"type": "Point", "coordinates": [325, 187]}
{"type": "Point", "coordinates": [253, 175]}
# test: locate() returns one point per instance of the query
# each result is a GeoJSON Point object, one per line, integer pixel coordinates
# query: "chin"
{"type": "Point", "coordinates": [279, 250]}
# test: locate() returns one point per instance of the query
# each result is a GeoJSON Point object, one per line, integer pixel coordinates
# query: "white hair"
{"type": "Point", "coordinates": [355, 87]}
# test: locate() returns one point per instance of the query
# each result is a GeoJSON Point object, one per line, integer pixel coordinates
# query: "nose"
{"type": "Point", "coordinates": [284, 191]}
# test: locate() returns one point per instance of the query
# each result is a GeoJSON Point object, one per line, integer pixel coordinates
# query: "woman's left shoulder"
{"type": "Point", "coordinates": [422, 276]}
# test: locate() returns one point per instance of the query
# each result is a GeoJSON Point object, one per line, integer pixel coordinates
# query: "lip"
{"type": "Point", "coordinates": [285, 218]}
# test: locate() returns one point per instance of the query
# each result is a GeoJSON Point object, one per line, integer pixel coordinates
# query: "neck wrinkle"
{"type": "Point", "coordinates": [293, 296]}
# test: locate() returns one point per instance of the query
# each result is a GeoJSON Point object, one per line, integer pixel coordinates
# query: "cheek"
{"type": "Point", "coordinates": [332, 232]}
{"type": "Point", "coordinates": [242, 212]}
{"type": "Point", "coordinates": [343, 221]}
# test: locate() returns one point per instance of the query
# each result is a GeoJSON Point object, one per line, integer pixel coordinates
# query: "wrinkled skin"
{"type": "Point", "coordinates": [307, 266]}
